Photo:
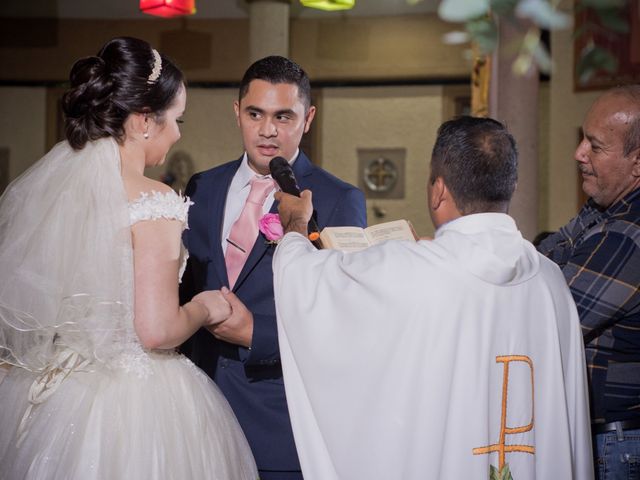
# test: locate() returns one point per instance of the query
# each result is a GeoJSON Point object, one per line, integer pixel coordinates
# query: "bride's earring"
{"type": "Point", "coordinates": [146, 128]}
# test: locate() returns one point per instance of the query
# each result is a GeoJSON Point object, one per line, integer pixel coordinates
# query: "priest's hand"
{"type": "Point", "coordinates": [238, 327]}
{"type": "Point", "coordinates": [295, 212]}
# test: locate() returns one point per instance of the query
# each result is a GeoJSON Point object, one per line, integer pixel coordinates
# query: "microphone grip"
{"type": "Point", "coordinates": [313, 232]}
{"type": "Point", "coordinates": [283, 175]}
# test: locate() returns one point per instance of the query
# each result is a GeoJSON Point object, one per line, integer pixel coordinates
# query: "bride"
{"type": "Point", "coordinates": [90, 257]}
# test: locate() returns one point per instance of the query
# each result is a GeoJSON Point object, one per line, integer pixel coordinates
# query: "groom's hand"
{"type": "Point", "coordinates": [238, 327]}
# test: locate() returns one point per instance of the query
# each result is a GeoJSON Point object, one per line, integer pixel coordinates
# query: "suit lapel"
{"type": "Point", "coordinates": [302, 169]}
{"type": "Point", "coordinates": [257, 252]}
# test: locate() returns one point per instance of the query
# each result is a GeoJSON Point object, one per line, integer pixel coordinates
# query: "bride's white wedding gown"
{"type": "Point", "coordinates": [139, 415]}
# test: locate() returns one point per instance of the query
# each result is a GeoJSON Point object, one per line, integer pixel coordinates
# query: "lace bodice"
{"type": "Point", "coordinates": [155, 205]}
{"type": "Point", "coordinates": [169, 205]}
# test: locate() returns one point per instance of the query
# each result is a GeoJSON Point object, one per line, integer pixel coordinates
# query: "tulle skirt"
{"type": "Point", "coordinates": [162, 418]}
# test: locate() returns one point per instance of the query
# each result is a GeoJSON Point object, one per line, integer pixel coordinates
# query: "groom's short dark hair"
{"type": "Point", "coordinates": [276, 69]}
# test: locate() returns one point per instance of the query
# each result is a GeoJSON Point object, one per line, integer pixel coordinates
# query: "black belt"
{"type": "Point", "coordinates": [632, 424]}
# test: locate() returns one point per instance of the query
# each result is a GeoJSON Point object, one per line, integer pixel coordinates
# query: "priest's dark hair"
{"type": "Point", "coordinates": [126, 76]}
{"type": "Point", "coordinates": [477, 159]}
{"type": "Point", "coordinates": [276, 69]}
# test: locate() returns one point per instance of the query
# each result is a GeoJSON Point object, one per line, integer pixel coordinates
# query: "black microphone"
{"type": "Point", "coordinates": [283, 175]}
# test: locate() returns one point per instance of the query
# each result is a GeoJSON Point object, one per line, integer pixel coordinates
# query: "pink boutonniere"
{"type": "Point", "coordinates": [271, 227]}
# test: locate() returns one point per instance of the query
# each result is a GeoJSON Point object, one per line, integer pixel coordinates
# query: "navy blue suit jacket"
{"type": "Point", "coordinates": [252, 379]}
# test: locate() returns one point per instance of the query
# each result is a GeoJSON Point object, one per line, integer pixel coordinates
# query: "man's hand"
{"type": "Point", "coordinates": [238, 327]}
{"type": "Point", "coordinates": [218, 307]}
{"type": "Point", "coordinates": [295, 212]}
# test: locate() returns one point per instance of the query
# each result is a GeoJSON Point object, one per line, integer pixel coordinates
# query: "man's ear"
{"type": "Point", "coordinates": [309, 118]}
{"type": "Point", "coordinates": [635, 158]}
{"type": "Point", "coordinates": [236, 108]}
{"type": "Point", "coordinates": [438, 193]}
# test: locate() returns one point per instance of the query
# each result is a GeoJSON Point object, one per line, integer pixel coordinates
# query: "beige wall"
{"type": "Point", "coordinates": [22, 125]}
{"type": "Point", "coordinates": [210, 134]}
{"type": "Point", "coordinates": [383, 117]}
{"type": "Point", "coordinates": [372, 48]}
{"type": "Point", "coordinates": [208, 50]}
{"type": "Point", "coordinates": [382, 48]}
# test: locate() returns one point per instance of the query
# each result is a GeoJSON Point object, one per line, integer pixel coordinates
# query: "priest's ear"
{"type": "Point", "coordinates": [437, 191]}
{"type": "Point", "coordinates": [442, 205]}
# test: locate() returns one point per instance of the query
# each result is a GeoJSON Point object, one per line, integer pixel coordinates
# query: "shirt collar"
{"type": "Point", "coordinates": [621, 207]}
{"type": "Point", "coordinates": [478, 222]}
{"type": "Point", "coordinates": [245, 173]}
{"type": "Point", "coordinates": [624, 204]}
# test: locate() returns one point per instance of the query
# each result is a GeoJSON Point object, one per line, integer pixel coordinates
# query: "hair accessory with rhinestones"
{"type": "Point", "coordinates": [157, 67]}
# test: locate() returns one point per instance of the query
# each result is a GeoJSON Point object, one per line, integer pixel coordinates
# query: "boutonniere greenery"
{"type": "Point", "coordinates": [271, 228]}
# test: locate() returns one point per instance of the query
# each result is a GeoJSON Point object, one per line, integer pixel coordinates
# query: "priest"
{"type": "Point", "coordinates": [456, 358]}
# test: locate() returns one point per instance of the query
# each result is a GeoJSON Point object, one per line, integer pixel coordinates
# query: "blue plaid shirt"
{"type": "Point", "coordinates": [599, 254]}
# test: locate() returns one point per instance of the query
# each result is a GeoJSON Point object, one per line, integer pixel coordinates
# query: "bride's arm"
{"type": "Point", "coordinates": [160, 321]}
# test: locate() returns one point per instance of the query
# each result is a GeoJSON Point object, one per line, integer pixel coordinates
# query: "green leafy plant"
{"type": "Point", "coordinates": [480, 19]}
{"type": "Point", "coordinates": [503, 474]}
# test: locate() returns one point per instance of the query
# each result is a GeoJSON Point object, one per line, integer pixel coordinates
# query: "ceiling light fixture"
{"type": "Point", "coordinates": [329, 5]}
{"type": "Point", "coordinates": [168, 8]}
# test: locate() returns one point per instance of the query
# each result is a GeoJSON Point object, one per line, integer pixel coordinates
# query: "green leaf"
{"type": "Point", "coordinates": [594, 58]}
{"type": "Point", "coordinates": [600, 4]}
{"type": "Point", "coordinates": [581, 30]}
{"type": "Point", "coordinates": [542, 58]}
{"type": "Point", "coordinates": [455, 38]}
{"type": "Point", "coordinates": [484, 33]}
{"type": "Point", "coordinates": [612, 20]}
{"type": "Point", "coordinates": [503, 7]}
{"type": "Point", "coordinates": [543, 14]}
{"type": "Point", "coordinates": [493, 473]}
{"type": "Point", "coordinates": [505, 473]}
{"type": "Point", "coordinates": [462, 10]}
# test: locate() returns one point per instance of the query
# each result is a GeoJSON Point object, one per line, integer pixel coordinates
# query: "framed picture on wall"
{"type": "Point", "coordinates": [590, 32]}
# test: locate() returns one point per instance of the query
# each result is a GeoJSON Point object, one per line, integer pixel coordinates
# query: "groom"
{"type": "Point", "coordinates": [241, 354]}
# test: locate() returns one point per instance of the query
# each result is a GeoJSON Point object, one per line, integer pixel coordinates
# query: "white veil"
{"type": "Point", "coordinates": [66, 264]}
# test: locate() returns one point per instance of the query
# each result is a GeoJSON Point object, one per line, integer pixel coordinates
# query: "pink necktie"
{"type": "Point", "coordinates": [245, 229]}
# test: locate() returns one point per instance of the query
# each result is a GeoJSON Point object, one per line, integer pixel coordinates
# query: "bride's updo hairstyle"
{"type": "Point", "coordinates": [127, 76]}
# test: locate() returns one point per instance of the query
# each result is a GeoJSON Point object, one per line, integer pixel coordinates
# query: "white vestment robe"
{"type": "Point", "coordinates": [436, 359]}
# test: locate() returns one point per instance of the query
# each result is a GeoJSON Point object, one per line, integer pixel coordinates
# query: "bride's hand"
{"type": "Point", "coordinates": [218, 307]}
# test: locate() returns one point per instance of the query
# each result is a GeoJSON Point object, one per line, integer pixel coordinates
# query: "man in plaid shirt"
{"type": "Point", "coordinates": [599, 254]}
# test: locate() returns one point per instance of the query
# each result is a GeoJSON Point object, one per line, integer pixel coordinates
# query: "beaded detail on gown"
{"type": "Point", "coordinates": [143, 414]}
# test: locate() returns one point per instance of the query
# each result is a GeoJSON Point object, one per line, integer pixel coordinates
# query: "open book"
{"type": "Point", "coordinates": [352, 239]}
